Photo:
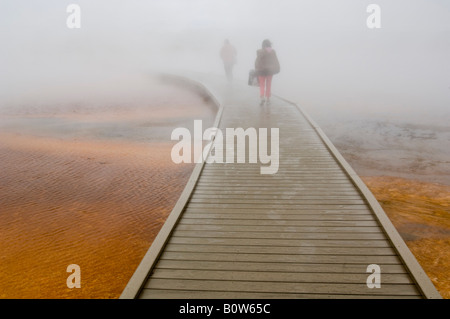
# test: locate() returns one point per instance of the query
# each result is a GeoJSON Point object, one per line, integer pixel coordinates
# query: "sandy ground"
{"type": "Point", "coordinates": [95, 204]}
{"type": "Point", "coordinates": [90, 186]}
{"type": "Point", "coordinates": [405, 165]}
{"type": "Point", "coordinates": [421, 213]}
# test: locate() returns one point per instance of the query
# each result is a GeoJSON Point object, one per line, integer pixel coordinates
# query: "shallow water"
{"type": "Point", "coordinates": [382, 145]}
{"type": "Point", "coordinates": [91, 197]}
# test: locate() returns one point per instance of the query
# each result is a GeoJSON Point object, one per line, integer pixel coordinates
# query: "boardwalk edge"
{"type": "Point", "coordinates": [423, 281]}
{"type": "Point", "coordinates": [144, 269]}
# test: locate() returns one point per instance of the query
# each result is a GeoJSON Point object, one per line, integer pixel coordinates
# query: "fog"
{"type": "Point", "coordinates": [331, 62]}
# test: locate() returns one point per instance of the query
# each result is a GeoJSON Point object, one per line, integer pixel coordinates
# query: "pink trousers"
{"type": "Point", "coordinates": [265, 85]}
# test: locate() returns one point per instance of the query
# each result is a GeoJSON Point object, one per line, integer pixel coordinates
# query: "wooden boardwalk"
{"type": "Point", "coordinates": [308, 231]}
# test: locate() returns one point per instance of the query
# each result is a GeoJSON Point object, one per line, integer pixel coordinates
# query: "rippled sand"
{"type": "Point", "coordinates": [421, 213]}
{"type": "Point", "coordinates": [95, 198]}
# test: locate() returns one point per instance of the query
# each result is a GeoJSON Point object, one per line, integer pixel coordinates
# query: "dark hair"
{"type": "Point", "coordinates": [266, 44]}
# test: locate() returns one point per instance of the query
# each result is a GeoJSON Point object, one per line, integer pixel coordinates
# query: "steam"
{"type": "Point", "coordinates": [331, 61]}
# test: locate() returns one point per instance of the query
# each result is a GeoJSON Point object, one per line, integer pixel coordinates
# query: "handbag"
{"type": "Point", "coordinates": [253, 78]}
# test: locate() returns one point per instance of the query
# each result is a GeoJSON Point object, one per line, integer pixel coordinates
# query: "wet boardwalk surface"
{"type": "Point", "coordinates": [307, 231]}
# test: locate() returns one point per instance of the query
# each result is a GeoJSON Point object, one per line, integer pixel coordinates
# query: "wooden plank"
{"type": "Point", "coordinates": [196, 294]}
{"type": "Point", "coordinates": [293, 163]}
{"type": "Point", "coordinates": [284, 169]}
{"type": "Point", "coordinates": [304, 171]}
{"type": "Point", "coordinates": [274, 185]}
{"type": "Point", "coordinates": [177, 245]}
{"type": "Point", "coordinates": [312, 174]}
{"type": "Point", "coordinates": [344, 268]}
{"type": "Point", "coordinates": [298, 184]}
{"type": "Point", "coordinates": [302, 160]}
{"type": "Point", "coordinates": [297, 210]}
{"type": "Point", "coordinates": [285, 166]}
{"type": "Point", "coordinates": [285, 197]}
{"type": "Point", "coordinates": [255, 222]}
{"type": "Point", "coordinates": [320, 181]}
{"type": "Point", "coordinates": [292, 180]}
{"type": "Point", "coordinates": [275, 211]}
{"type": "Point", "coordinates": [313, 242]}
{"type": "Point", "coordinates": [277, 229]}
{"type": "Point", "coordinates": [243, 156]}
{"type": "Point", "coordinates": [285, 161]}
{"type": "Point", "coordinates": [307, 189]}
{"type": "Point", "coordinates": [274, 194]}
{"type": "Point", "coordinates": [367, 260]}
{"type": "Point", "coordinates": [320, 178]}
{"type": "Point", "coordinates": [280, 188]}
{"type": "Point", "coordinates": [273, 201]}
{"type": "Point", "coordinates": [229, 186]}
{"type": "Point", "coordinates": [356, 234]}
{"type": "Point", "coordinates": [294, 200]}
{"type": "Point", "coordinates": [280, 206]}
{"type": "Point", "coordinates": [190, 214]}
{"type": "Point", "coordinates": [287, 177]}
{"type": "Point", "coordinates": [282, 287]}
{"type": "Point", "coordinates": [266, 276]}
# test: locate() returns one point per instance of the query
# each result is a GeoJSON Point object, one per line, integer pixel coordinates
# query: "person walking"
{"type": "Point", "coordinates": [228, 55]}
{"type": "Point", "coordinates": [266, 65]}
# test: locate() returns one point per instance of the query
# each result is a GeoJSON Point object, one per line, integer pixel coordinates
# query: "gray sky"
{"type": "Point", "coordinates": [329, 58]}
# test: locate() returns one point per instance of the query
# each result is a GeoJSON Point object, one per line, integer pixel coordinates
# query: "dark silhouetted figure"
{"type": "Point", "coordinates": [228, 55]}
{"type": "Point", "coordinates": [266, 65]}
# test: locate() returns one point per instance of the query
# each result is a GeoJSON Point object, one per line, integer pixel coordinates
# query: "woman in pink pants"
{"type": "Point", "coordinates": [266, 65]}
